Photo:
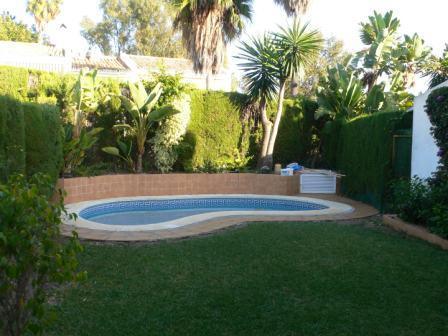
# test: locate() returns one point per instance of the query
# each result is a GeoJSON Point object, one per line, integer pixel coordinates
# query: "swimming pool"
{"type": "Point", "coordinates": [169, 212]}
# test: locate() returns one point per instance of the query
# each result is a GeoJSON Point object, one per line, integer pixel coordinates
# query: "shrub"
{"type": "Point", "coordinates": [214, 132]}
{"type": "Point", "coordinates": [30, 138]}
{"type": "Point", "coordinates": [295, 138]}
{"type": "Point", "coordinates": [32, 253]}
{"type": "Point", "coordinates": [362, 149]}
{"type": "Point", "coordinates": [44, 139]}
{"type": "Point", "coordinates": [437, 110]}
{"type": "Point", "coordinates": [14, 82]}
{"type": "Point", "coordinates": [421, 202]}
{"type": "Point", "coordinates": [169, 134]}
{"type": "Point", "coordinates": [12, 137]}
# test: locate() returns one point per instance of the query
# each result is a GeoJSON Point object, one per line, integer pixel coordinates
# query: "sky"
{"type": "Point", "coordinates": [339, 19]}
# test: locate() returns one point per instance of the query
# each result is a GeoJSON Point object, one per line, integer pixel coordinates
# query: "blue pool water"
{"type": "Point", "coordinates": [156, 211]}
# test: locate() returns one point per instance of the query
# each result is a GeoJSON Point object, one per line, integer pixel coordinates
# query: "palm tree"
{"type": "Point", "coordinates": [43, 11]}
{"type": "Point", "coordinates": [207, 27]}
{"type": "Point", "coordinates": [294, 7]}
{"type": "Point", "coordinates": [296, 46]}
{"type": "Point", "coordinates": [260, 81]}
{"type": "Point", "coordinates": [143, 115]}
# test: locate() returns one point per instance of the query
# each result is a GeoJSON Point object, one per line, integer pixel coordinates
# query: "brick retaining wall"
{"type": "Point", "coordinates": [80, 189]}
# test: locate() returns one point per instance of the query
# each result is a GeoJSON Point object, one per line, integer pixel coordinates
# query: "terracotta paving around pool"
{"type": "Point", "coordinates": [361, 210]}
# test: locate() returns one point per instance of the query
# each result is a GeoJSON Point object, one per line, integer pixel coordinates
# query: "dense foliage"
{"type": "Point", "coordinates": [213, 135]}
{"type": "Point", "coordinates": [362, 150]}
{"type": "Point", "coordinates": [422, 203]}
{"type": "Point", "coordinates": [426, 202]}
{"type": "Point", "coordinates": [299, 134]}
{"type": "Point", "coordinates": [33, 256]}
{"type": "Point", "coordinates": [12, 137]}
{"type": "Point", "coordinates": [134, 27]}
{"type": "Point", "coordinates": [169, 134]}
{"type": "Point", "coordinates": [437, 110]}
{"type": "Point", "coordinates": [43, 139]}
{"type": "Point", "coordinates": [30, 138]}
{"type": "Point", "coordinates": [13, 30]}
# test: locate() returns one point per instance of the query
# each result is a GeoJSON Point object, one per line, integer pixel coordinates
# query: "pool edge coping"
{"type": "Point", "coordinates": [334, 208]}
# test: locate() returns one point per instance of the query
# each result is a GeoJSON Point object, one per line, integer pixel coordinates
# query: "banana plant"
{"type": "Point", "coordinates": [75, 148]}
{"type": "Point", "coordinates": [84, 99]}
{"type": "Point", "coordinates": [409, 57]}
{"type": "Point", "coordinates": [380, 35]}
{"type": "Point", "coordinates": [123, 151]}
{"type": "Point", "coordinates": [143, 114]}
{"type": "Point", "coordinates": [341, 94]}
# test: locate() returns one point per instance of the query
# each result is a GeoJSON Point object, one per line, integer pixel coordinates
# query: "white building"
{"type": "Point", "coordinates": [124, 67]}
{"type": "Point", "coordinates": [424, 148]}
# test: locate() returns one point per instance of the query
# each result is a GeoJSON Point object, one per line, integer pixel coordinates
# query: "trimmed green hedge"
{"type": "Point", "coordinates": [214, 131]}
{"type": "Point", "coordinates": [14, 82]}
{"type": "Point", "coordinates": [362, 150]}
{"type": "Point", "coordinates": [12, 137]}
{"type": "Point", "coordinates": [30, 138]}
{"type": "Point", "coordinates": [294, 139]}
{"type": "Point", "coordinates": [44, 139]}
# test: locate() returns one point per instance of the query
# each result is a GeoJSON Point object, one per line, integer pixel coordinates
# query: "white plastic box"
{"type": "Point", "coordinates": [315, 183]}
{"type": "Point", "coordinates": [287, 172]}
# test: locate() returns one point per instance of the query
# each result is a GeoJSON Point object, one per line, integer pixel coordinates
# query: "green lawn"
{"type": "Point", "coordinates": [263, 279]}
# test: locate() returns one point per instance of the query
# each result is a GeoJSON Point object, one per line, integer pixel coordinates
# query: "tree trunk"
{"type": "Point", "coordinates": [140, 163]}
{"type": "Point", "coordinates": [267, 127]}
{"type": "Point", "coordinates": [208, 81]}
{"type": "Point", "coordinates": [294, 86]}
{"type": "Point", "coordinates": [278, 117]}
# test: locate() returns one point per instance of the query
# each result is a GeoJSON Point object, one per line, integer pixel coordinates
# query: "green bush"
{"type": "Point", "coordinates": [33, 255]}
{"type": "Point", "coordinates": [421, 202]}
{"type": "Point", "coordinates": [362, 150]}
{"type": "Point", "coordinates": [12, 137]}
{"type": "Point", "coordinates": [295, 138]}
{"type": "Point", "coordinates": [44, 139]}
{"type": "Point", "coordinates": [437, 110]}
{"type": "Point", "coordinates": [14, 82]}
{"type": "Point", "coordinates": [30, 138]}
{"type": "Point", "coordinates": [214, 132]}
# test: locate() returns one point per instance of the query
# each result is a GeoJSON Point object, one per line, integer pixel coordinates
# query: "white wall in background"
{"type": "Point", "coordinates": [424, 149]}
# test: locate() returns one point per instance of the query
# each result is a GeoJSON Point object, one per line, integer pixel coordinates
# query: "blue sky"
{"type": "Point", "coordinates": [339, 19]}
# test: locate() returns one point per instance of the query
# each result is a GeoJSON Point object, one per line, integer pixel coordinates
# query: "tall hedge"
{"type": "Point", "coordinates": [14, 82]}
{"type": "Point", "coordinates": [30, 138]}
{"type": "Point", "coordinates": [362, 150]}
{"type": "Point", "coordinates": [12, 137]}
{"type": "Point", "coordinates": [44, 139]}
{"type": "Point", "coordinates": [294, 139]}
{"type": "Point", "coordinates": [214, 131]}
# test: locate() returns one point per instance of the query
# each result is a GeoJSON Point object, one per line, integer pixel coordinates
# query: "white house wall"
{"type": "Point", "coordinates": [424, 149]}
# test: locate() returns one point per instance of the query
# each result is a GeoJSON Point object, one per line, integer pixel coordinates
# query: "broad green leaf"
{"type": "Point", "coordinates": [162, 113]}
{"type": "Point", "coordinates": [111, 150]}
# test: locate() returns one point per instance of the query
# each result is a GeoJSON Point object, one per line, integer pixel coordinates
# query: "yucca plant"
{"type": "Point", "coordinates": [140, 106]}
{"type": "Point", "coordinates": [268, 64]}
{"type": "Point", "coordinates": [296, 47]}
{"type": "Point", "coordinates": [260, 81]}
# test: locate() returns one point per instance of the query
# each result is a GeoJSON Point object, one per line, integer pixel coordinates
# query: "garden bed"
{"type": "Point", "coordinates": [413, 230]}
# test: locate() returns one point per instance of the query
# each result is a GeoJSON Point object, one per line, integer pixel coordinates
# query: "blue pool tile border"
{"type": "Point", "coordinates": [212, 202]}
